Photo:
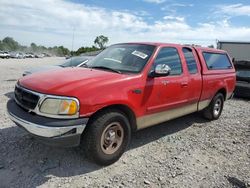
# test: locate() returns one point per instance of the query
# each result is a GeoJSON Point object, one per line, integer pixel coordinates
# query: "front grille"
{"type": "Point", "coordinates": [25, 98]}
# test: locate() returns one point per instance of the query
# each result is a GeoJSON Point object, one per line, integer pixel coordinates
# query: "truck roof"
{"type": "Point", "coordinates": [152, 43]}
{"type": "Point", "coordinates": [178, 45]}
{"type": "Point", "coordinates": [210, 49]}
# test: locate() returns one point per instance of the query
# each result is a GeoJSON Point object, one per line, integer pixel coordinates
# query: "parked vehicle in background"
{"type": "Point", "coordinates": [127, 87]}
{"type": "Point", "coordinates": [72, 62]}
{"type": "Point", "coordinates": [242, 88]}
{"type": "Point", "coordinates": [76, 61]}
{"type": "Point", "coordinates": [68, 56]}
{"type": "Point", "coordinates": [40, 55]}
{"type": "Point", "coordinates": [46, 55]}
{"type": "Point", "coordinates": [239, 50]}
{"type": "Point", "coordinates": [17, 55]}
{"type": "Point", "coordinates": [29, 55]}
{"type": "Point", "coordinates": [4, 54]}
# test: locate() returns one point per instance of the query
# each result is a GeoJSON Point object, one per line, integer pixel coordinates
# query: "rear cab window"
{"type": "Point", "coordinates": [217, 61]}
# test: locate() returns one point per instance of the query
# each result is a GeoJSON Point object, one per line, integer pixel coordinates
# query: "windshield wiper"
{"type": "Point", "coordinates": [106, 68]}
{"type": "Point", "coordinates": [85, 65]}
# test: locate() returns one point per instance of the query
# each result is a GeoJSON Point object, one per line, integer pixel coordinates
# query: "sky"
{"type": "Point", "coordinates": [76, 23]}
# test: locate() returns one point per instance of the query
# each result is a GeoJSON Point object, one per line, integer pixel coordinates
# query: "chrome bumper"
{"type": "Point", "coordinates": [44, 131]}
{"type": "Point", "coordinates": [56, 132]}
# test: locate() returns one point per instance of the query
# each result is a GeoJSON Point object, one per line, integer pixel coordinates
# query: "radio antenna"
{"type": "Point", "coordinates": [73, 38]}
{"type": "Point", "coordinates": [72, 47]}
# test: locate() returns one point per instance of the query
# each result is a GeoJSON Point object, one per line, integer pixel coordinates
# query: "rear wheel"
{"type": "Point", "coordinates": [107, 137]}
{"type": "Point", "coordinates": [213, 111]}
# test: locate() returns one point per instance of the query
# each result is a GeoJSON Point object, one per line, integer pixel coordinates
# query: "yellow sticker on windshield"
{"type": "Point", "coordinates": [140, 54]}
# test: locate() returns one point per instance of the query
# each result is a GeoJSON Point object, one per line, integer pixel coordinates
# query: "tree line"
{"type": "Point", "coordinates": [9, 44]}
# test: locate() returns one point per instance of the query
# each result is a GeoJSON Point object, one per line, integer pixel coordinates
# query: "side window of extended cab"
{"type": "Point", "coordinates": [170, 57]}
{"type": "Point", "coordinates": [190, 60]}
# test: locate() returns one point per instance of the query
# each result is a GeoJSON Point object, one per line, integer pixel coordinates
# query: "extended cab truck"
{"type": "Point", "coordinates": [125, 88]}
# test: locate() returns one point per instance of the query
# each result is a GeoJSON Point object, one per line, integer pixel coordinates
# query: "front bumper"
{"type": "Point", "coordinates": [57, 132]}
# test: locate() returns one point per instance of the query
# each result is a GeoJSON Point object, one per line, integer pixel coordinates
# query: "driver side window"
{"type": "Point", "coordinates": [170, 57]}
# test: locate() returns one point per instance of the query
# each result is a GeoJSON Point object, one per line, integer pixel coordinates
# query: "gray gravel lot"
{"type": "Point", "coordinates": [186, 152]}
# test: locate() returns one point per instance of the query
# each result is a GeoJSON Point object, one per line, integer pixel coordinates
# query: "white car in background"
{"type": "Point", "coordinates": [29, 55]}
{"type": "Point", "coordinates": [17, 55]}
{"type": "Point", "coordinates": [4, 54]}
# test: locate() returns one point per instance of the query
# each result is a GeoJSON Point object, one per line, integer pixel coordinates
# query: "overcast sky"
{"type": "Point", "coordinates": [53, 22]}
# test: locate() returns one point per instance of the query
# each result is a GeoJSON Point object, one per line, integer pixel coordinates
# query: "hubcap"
{"type": "Point", "coordinates": [217, 107]}
{"type": "Point", "coordinates": [112, 138]}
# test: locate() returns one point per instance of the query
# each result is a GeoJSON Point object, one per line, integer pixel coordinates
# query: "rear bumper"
{"type": "Point", "coordinates": [57, 132]}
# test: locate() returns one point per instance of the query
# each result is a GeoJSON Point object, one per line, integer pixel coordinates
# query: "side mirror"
{"type": "Point", "coordinates": [160, 70]}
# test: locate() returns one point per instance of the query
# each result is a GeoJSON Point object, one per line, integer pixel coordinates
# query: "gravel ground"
{"type": "Point", "coordinates": [186, 152]}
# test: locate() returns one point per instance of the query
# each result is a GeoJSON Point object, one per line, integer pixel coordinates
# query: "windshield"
{"type": "Point", "coordinates": [74, 61]}
{"type": "Point", "coordinates": [243, 73]}
{"type": "Point", "coordinates": [123, 58]}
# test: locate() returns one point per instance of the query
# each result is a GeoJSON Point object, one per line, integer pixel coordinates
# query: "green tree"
{"type": "Point", "coordinates": [59, 50]}
{"type": "Point", "coordinates": [33, 47]}
{"type": "Point", "coordinates": [63, 51]}
{"type": "Point", "coordinates": [101, 41]}
{"type": "Point", "coordinates": [9, 43]}
{"type": "Point", "coordinates": [1, 45]}
{"type": "Point", "coordinates": [42, 48]}
{"type": "Point", "coordinates": [82, 50]}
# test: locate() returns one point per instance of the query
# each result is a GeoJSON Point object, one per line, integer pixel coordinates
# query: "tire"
{"type": "Point", "coordinates": [213, 111]}
{"type": "Point", "coordinates": [107, 137]}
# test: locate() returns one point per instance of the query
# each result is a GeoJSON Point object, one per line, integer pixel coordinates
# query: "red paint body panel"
{"type": "Point", "coordinates": [96, 89]}
{"type": "Point", "coordinates": [214, 80]}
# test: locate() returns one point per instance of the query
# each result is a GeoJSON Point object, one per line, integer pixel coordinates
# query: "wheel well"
{"type": "Point", "coordinates": [223, 92]}
{"type": "Point", "coordinates": [124, 109]}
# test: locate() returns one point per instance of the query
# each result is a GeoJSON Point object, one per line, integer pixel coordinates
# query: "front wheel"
{"type": "Point", "coordinates": [213, 111]}
{"type": "Point", "coordinates": [107, 137]}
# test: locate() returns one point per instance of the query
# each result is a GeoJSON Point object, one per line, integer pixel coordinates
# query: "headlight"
{"type": "Point", "coordinates": [59, 106]}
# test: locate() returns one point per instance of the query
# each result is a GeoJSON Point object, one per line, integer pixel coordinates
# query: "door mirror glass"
{"type": "Point", "coordinates": [160, 70]}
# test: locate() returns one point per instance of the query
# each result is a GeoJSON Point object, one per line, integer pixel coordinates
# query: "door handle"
{"type": "Point", "coordinates": [184, 84]}
{"type": "Point", "coordinates": [165, 82]}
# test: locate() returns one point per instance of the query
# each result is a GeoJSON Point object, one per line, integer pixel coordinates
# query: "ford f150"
{"type": "Point", "coordinates": [127, 87]}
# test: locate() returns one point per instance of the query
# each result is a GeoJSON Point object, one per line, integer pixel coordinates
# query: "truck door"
{"type": "Point", "coordinates": [168, 92]}
{"type": "Point", "coordinates": [194, 79]}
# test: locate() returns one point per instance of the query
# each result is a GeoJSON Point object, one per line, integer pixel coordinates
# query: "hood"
{"type": "Point", "coordinates": [68, 81]}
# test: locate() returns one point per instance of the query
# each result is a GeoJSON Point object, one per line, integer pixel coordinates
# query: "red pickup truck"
{"type": "Point", "coordinates": [125, 88]}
